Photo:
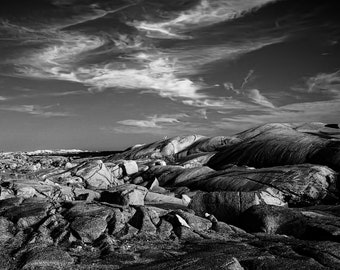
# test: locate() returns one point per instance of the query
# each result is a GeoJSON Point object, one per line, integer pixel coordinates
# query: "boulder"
{"type": "Point", "coordinates": [302, 185]}
{"type": "Point", "coordinates": [165, 174]}
{"type": "Point", "coordinates": [119, 219]}
{"type": "Point", "coordinates": [89, 228]}
{"type": "Point", "coordinates": [116, 170]}
{"type": "Point", "coordinates": [127, 194]}
{"type": "Point", "coordinates": [227, 206]}
{"type": "Point", "coordinates": [206, 145]}
{"type": "Point", "coordinates": [165, 201]}
{"type": "Point", "coordinates": [138, 180]}
{"type": "Point", "coordinates": [196, 160]}
{"type": "Point", "coordinates": [277, 145]}
{"type": "Point", "coordinates": [46, 258]}
{"type": "Point", "coordinates": [25, 212]}
{"type": "Point", "coordinates": [301, 224]}
{"type": "Point", "coordinates": [166, 148]}
{"type": "Point", "coordinates": [7, 230]}
{"type": "Point", "coordinates": [145, 220]}
{"type": "Point", "coordinates": [88, 221]}
{"type": "Point", "coordinates": [129, 167]}
{"type": "Point", "coordinates": [194, 222]}
{"type": "Point", "coordinates": [96, 175]}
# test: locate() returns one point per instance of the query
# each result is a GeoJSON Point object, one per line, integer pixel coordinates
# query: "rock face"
{"type": "Point", "coordinates": [280, 144]}
{"type": "Point", "coordinates": [95, 174]}
{"type": "Point", "coordinates": [266, 198]}
{"type": "Point", "coordinates": [300, 184]}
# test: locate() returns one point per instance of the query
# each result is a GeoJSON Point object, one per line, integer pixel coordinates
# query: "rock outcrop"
{"type": "Point", "coordinates": [267, 198]}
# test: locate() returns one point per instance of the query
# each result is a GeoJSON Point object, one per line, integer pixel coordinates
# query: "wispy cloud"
{"type": "Point", "coordinates": [154, 121]}
{"type": "Point", "coordinates": [247, 79]}
{"type": "Point", "coordinates": [324, 84]}
{"type": "Point", "coordinates": [42, 111]}
{"type": "Point", "coordinates": [202, 113]}
{"type": "Point", "coordinates": [298, 112]}
{"type": "Point", "coordinates": [2, 98]}
{"type": "Point", "coordinates": [204, 14]}
{"type": "Point", "coordinates": [55, 94]}
{"type": "Point", "coordinates": [227, 104]}
{"type": "Point", "coordinates": [254, 95]}
{"type": "Point", "coordinates": [165, 124]}
{"type": "Point", "coordinates": [258, 98]}
{"type": "Point", "coordinates": [326, 108]}
{"type": "Point", "coordinates": [165, 72]}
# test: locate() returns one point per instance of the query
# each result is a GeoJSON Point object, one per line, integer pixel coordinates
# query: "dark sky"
{"type": "Point", "coordinates": [109, 74]}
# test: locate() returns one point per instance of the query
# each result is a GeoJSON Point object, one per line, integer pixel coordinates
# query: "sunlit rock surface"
{"type": "Point", "coordinates": [267, 198]}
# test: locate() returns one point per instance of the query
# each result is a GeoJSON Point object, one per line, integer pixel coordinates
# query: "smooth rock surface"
{"type": "Point", "coordinates": [266, 198]}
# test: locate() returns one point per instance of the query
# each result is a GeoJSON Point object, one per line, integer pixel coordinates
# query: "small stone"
{"type": "Point", "coordinates": [143, 168]}
{"type": "Point", "coordinates": [160, 162]}
{"type": "Point", "coordinates": [138, 180]}
{"type": "Point", "coordinates": [186, 198]}
{"type": "Point", "coordinates": [69, 165]}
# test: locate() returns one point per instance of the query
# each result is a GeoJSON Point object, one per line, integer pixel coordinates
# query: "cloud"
{"type": "Point", "coordinates": [2, 98]}
{"type": "Point", "coordinates": [254, 95]}
{"type": "Point", "coordinates": [248, 78]}
{"type": "Point", "coordinates": [53, 94]}
{"type": "Point", "coordinates": [193, 59]}
{"type": "Point", "coordinates": [155, 72]}
{"type": "Point", "coordinates": [202, 113]}
{"type": "Point", "coordinates": [165, 72]}
{"type": "Point", "coordinates": [324, 84]}
{"type": "Point", "coordinates": [224, 103]}
{"type": "Point", "coordinates": [204, 14]}
{"type": "Point", "coordinates": [298, 112]}
{"type": "Point", "coordinates": [66, 93]}
{"type": "Point", "coordinates": [258, 98]}
{"type": "Point", "coordinates": [154, 121]}
{"type": "Point", "coordinates": [43, 111]}
{"type": "Point", "coordinates": [230, 87]}
{"type": "Point", "coordinates": [165, 124]}
{"type": "Point", "coordinates": [129, 61]}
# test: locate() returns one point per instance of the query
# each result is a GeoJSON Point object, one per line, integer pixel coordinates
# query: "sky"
{"type": "Point", "coordinates": [105, 75]}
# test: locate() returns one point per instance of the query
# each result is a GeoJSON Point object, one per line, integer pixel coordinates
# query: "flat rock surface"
{"type": "Point", "coordinates": [266, 198]}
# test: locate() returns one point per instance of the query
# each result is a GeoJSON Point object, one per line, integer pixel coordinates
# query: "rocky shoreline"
{"type": "Point", "coordinates": [266, 198]}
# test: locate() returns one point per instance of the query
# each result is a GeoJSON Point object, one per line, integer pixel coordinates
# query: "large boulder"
{"type": "Point", "coordinates": [279, 144]}
{"type": "Point", "coordinates": [88, 221]}
{"type": "Point", "coordinates": [228, 206]}
{"type": "Point", "coordinates": [303, 184]}
{"type": "Point", "coordinates": [166, 148]}
{"type": "Point", "coordinates": [205, 145]}
{"type": "Point", "coordinates": [25, 212]}
{"type": "Point", "coordinates": [127, 194]}
{"type": "Point", "coordinates": [165, 174]}
{"type": "Point", "coordinates": [301, 224]}
{"type": "Point", "coordinates": [165, 201]}
{"type": "Point", "coordinates": [96, 175]}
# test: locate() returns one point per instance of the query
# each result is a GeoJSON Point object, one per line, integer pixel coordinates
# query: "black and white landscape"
{"type": "Point", "coordinates": [228, 111]}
